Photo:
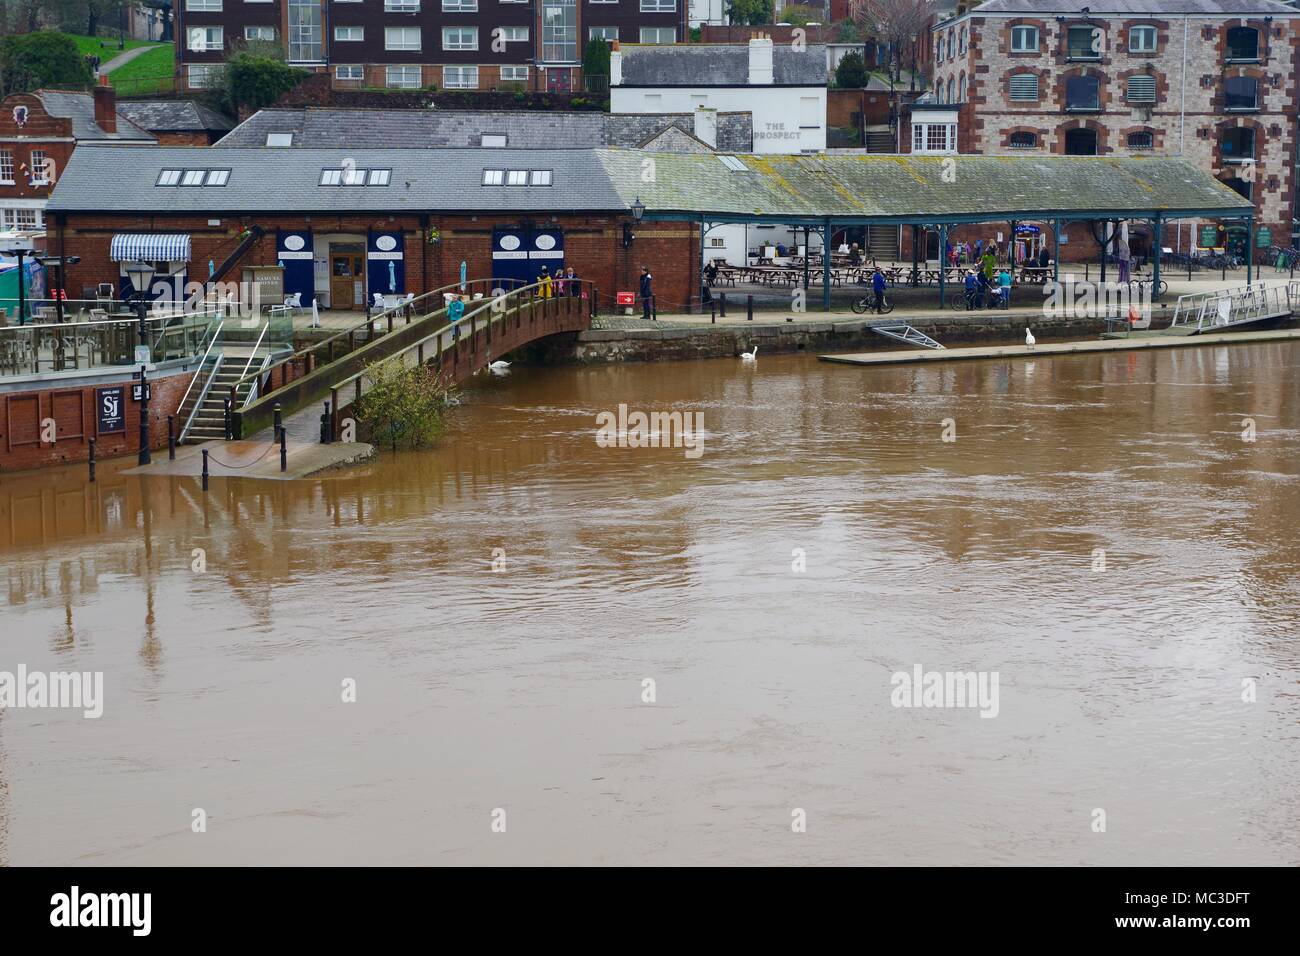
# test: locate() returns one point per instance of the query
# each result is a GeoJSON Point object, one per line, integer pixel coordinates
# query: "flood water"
{"type": "Point", "coordinates": [521, 689]}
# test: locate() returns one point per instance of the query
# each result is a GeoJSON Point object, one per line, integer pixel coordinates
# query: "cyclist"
{"type": "Point", "coordinates": [878, 288]}
{"type": "Point", "coordinates": [972, 289]}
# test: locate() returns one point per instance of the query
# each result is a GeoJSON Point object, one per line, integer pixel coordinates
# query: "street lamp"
{"type": "Point", "coordinates": [638, 210]}
{"type": "Point", "coordinates": [141, 274]}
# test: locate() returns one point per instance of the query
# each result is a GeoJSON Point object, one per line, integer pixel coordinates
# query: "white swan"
{"type": "Point", "coordinates": [1029, 338]}
{"type": "Point", "coordinates": [750, 356]}
{"type": "Point", "coordinates": [498, 365]}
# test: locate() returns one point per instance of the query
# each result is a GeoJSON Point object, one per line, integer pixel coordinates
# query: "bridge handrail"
{"type": "Point", "coordinates": [400, 309]}
{"type": "Point", "coordinates": [516, 294]}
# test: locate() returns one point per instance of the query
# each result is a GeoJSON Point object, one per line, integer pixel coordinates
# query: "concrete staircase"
{"type": "Point", "coordinates": [210, 420]}
{"type": "Point", "coordinates": [882, 243]}
{"type": "Point", "coordinates": [879, 140]}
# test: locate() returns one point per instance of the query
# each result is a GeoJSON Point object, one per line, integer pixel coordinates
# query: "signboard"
{"type": "Point", "coordinates": [626, 298]}
{"type": "Point", "coordinates": [1209, 237]}
{"type": "Point", "coordinates": [1264, 237]}
{"type": "Point", "coordinates": [147, 390]}
{"type": "Point", "coordinates": [110, 410]}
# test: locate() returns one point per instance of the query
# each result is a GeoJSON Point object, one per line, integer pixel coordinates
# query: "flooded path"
{"type": "Point", "coordinates": [522, 688]}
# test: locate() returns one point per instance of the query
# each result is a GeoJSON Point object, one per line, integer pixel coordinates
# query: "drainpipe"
{"type": "Point", "coordinates": [1182, 127]}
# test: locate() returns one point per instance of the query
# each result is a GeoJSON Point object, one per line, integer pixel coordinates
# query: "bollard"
{"type": "Point", "coordinates": [205, 469]}
{"type": "Point", "coordinates": [91, 460]}
{"type": "Point", "coordinates": [171, 438]}
{"type": "Point", "coordinates": [326, 432]}
{"type": "Point", "coordinates": [284, 449]}
{"type": "Point", "coordinates": [722, 305]}
{"type": "Point", "coordinates": [226, 413]}
{"type": "Point", "coordinates": [749, 308]}
{"type": "Point", "coordinates": [278, 419]}
{"type": "Point", "coordinates": [713, 310]}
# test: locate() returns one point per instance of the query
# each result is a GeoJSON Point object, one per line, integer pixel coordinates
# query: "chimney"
{"type": "Point", "coordinates": [760, 61]}
{"type": "Point", "coordinates": [106, 106]}
{"type": "Point", "coordinates": [615, 64]}
{"type": "Point", "coordinates": [706, 126]}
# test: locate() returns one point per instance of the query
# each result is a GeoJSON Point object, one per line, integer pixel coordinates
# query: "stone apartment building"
{"type": "Point", "coordinates": [1213, 81]}
{"type": "Point", "coordinates": [416, 44]}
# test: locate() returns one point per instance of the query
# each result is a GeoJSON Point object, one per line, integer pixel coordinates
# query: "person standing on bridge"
{"type": "Point", "coordinates": [455, 309]}
{"type": "Point", "coordinates": [647, 293]}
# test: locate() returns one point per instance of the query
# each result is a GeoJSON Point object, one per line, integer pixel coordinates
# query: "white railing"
{"type": "Point", "coordinates": [1224, 307]}
{"type": "Point", "coordinates": [199, 371]}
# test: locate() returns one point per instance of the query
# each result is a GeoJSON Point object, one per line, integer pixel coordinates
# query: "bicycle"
{"type": "Point", "coordinates": [991, 300]}
{"type": "Point", "coordinates": [1135, 288]}
{"type": "Point", "coordinates": [868, 304]}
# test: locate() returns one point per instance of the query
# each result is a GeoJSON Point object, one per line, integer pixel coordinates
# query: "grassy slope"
{"type": "Point", "coordinates": [159, 62]}
{"type": "Point", "coordinates": [91, 45]}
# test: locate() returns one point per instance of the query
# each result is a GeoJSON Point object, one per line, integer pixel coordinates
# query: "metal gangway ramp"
{"type": "Point", "coordinates": [905, 333]}
{"type": "Point", "coordinates": [1220, 309]}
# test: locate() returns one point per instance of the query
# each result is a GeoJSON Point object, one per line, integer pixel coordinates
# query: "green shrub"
{"type": "Point", "coordinates": [405, 407]}
{"type": "Point", "coordinates": [255, 80]}
{"type": "Point", "coordinates": [30, 61]}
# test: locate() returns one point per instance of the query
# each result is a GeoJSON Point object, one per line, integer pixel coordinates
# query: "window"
{"type": "Point", "coordinates": [192, 177]}
{"type": "Point", "coordinates": [1023, 141]}
{"type": "Point", "coordinates": [1081, 142]}
{"type": "Point", "coordinates": [602, 33]}
{"type": "Point", "coordinates": [1024, 39]}
{"type": "Point", "coordinates": [511, 74]}
{"type": "Point", "coordinates": [516, 177]}
{"type": "Point", "coordinates": [202, 76]}
{"type": "Point", "coordinates": [1085, 43]}
{"type": "Point", "coordinates": [1082, 93]}
{"type": "Point", "coordinates": [7, 166]}
{"type": "Point", "coordinates": [402, 38]}
{"type": "Point", "coordinates": [1141, 89]}
{"type": "Point", "coordinates": [1143, 139]}
{"type": "Point", "coordinates": [493, 140]}
{"type": "Point", "coordinates": [402, 77]}
{"type": "Point", "coordinates": [540, 177]}
{"type": "Point", "coordinates": [203, 6]}
{"type": "Point", "coordinates": [22, 219]}
{"type": "Point", "coordinates": [217, 177]}
{"type": "Point", "coordinates": [734, 163]}
{"type": "Point", "coordinates": [1142, 40]}
{"type": "Point", "coordinates": [259, 33]}
{"type": "Point", "coordinates": [460, 38]}
{"type": "Point", "coordinates": [305, 30]}
{"type": "Point", "coordinates": [658, 34]}
{"type": "Point", "coordinates": [934, 138]}
{"type": "Point", "coordinates": [513, 34]}
{"type": "Point", "coordinates": [348, 34]}
{"type": "Point", "coordinates": [961, 43]}
{"type": "Point", "coordinates": [1243, 43]}
{"type": "Point", "coordinates": [560, 31]}
{"type": "Point", "coordinates": [938, 55]}
{"type": "Point", "coordinates": [952, 92]}
{"type": "Point", "coordinates": [460, 6]}
{"type": "Point", "coordinates": [1024, 88]}
{"type": "Point", "coordinates": [203, 39]}
{"type": "Point", "coordinates": [1241, 93]}
{"type": "Point", "coordinates": [379, 177]}
{"type": "Point", "coordinates": [460, 77]}
{"type": "Point", "coordinates": [349, 73]}
{"type": "Point", "coordinates": [40, 175]}
{"type": "Point", "coordinates": [493, 177]}
{"type": "Point", "coordinates": [279, 139]}
{"type": "Point", "coordinates": [961, 89]}
{"type": "Point", "coordinates": [401, 6]}
{"type": "Point", "coordinates": [658, 6]}
{"type": "Point", "coordinates": [1237, 144]}
{"type": "Point", "coordinates": [169, 177]}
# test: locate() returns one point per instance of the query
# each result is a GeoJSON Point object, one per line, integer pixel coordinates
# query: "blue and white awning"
{"type": "Point", "coordinates": [131, 247]}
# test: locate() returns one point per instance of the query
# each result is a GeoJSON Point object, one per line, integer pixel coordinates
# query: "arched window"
{"type": "Point", "coordinates": [938, 56]}
{"type": "Point", "coordinates": [1023, 141]}
{"type": "Point", "coordinates": [1142, 139]}
{"type": "Point", "coordinates": [1243, 43]}
{"type": "Point", "coordinates": [951, 92]}
{"type": "Point", "coordinates": [961, 89]}
{"type": "Point", "coordinates": [1081, 142]}
{"type": "Point", "coordinates": [962, 42]}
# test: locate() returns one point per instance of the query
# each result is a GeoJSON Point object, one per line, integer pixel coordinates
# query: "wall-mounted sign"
{"type": "Point", "coordinates": [110, 409]}
{"type": "Point", "coordinates": [1264, 237]}
{"type": "Point", "coordinates": [1209, 237]}
{"type": "Point", "coordinates": [138, 395]}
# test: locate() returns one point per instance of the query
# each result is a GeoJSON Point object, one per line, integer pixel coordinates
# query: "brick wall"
{"type": "Point", "coordinates": [41, 131]}
{"type": "Point", "coordinates": [187, 138]}
{"type": "Point", "coordinates": [74, 412]}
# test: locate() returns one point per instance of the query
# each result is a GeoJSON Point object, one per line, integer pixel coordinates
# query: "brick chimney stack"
{"type": "Point", "coordinates": [106, 106]}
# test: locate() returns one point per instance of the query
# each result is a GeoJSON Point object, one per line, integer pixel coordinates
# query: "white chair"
{"type": "Point", "coordinates": [293, 301]}
{"type": "Point", "coordinates": [379, 301]}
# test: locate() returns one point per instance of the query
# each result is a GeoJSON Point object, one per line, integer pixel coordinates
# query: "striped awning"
{"type": "Point", "coordinates": [133, 246]}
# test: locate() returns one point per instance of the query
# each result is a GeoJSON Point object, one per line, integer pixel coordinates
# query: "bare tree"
{"type": "Point", "coordinates": [899, 24]}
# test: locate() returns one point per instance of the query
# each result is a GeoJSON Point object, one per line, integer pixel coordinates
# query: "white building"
{"type": "Point", "coordinates": [784, 89]}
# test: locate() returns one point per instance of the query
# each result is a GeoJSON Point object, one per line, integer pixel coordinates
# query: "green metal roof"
{"type": "Point", "coordinates": [909, 188]}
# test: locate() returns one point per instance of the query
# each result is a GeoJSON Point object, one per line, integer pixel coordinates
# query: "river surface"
{"type": "Point", "coordinates": [1099, 534]}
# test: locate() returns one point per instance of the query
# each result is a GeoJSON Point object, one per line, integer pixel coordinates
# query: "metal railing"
{"type": "Point", "coordinates": [35, 348]}
{"type": "Point", "coordinates": [1220, 308]}
{"type": "Point", "coordinates": [209, 369]}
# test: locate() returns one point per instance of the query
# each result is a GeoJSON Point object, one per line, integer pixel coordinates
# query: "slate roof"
{"type": "Point", "coordinates": [1101, 8]}
{"type": "Point", "coordinates": [116, 179]}
{"type": "Point", "coordinates": [173, 116]}
{"type": "Point", "coordinates": [80, 108]}
{"type": "Point", "coordinates": [884, 187]}
{"type": "Point", "coordinates": [718, 64]}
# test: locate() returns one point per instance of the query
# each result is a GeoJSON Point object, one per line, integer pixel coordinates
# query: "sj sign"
{"type": "Point", "coordinates": [110, 410]}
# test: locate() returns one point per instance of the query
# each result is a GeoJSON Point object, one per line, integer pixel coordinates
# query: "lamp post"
{"type": "Point", "coordinates": [141, 274]}
{"type": "Point", "coordinates": [638, 209]}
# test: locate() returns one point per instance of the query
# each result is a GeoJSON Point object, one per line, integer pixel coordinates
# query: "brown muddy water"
{"type": "Point", "coordinates": [521, 689]}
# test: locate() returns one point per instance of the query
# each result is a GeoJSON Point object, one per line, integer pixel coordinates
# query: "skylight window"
{"type": "Point", "coordinates": [217, 177]}
{"type": "Point", "coordinates": [168, 177]}
{"type": "Point", "coordinates": [493, 139]}
{"type": "Point", "coordinates": [493, 177]}
{"type": "Point", "coordinates": [517, 177]}
{"type": "Point", "coordinates": [355, 177]}
{"type": "Point", "coordinates": [731, 162]}
{"type": "Point", "coordinates": [279, 139]}
{"type": "Point", "coordinates": [540, 177]}
{"type": "Point", "coordinates": [193, 177]}
{"type": "Point", "coordinates": [378, 177]}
